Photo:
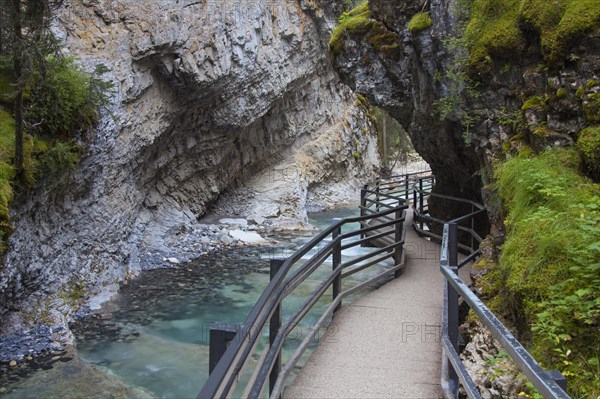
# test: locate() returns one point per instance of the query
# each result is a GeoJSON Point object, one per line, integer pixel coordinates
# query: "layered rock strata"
{"type": "Point", "coordinates": [207, 96]}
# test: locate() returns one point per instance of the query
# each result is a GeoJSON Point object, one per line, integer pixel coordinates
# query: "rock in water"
{"type": "Point", "coordinates": [248, 237]}
{"type": "Point", "coordinates": [240, 222]}
{"type": "Point", "coordinates": [173, 261]}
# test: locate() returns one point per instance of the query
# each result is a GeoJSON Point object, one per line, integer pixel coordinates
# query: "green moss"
{"type": "Point", "coordinates": [355, 22]}
{"type": "Point", "coordinates": [580, 92]}
{"type": "Point", "coordinates": [419, 22]}
{"type": "Point", "coordinates": [384, 42]}
{"type": "Point", "coordinates": [7, 174]}
{"type": "Point", "coordinates": [588, 145]}
{"type": "Point", "coordinates": [493, 31]}
{"type": "Point", "coordinates": [358, 22]}
{"type": "Point", "coordinates": [548, 272]}
{"type": "Point", "coordinates": [591, 108]}
{"type": "Point", "coordinates": [590, 84]}
{"type": "Point", "coordinates": [494, 27]}
{"type": "Point", "coordinates": [542, 132]}
{"type": "Point", "coordinates": [561, 93]}
{"type": "Point", "coordinates": [560, 22]}
{"type": "Point", "coordinates": [534, 102]}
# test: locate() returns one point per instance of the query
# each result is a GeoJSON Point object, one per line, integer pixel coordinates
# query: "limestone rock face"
{"type": "Point", "coordinates": [407, 83]}
{"type": "Point", "coordinates": [411, 81]}
{"type": "Point", "coordinates": [208, 95]}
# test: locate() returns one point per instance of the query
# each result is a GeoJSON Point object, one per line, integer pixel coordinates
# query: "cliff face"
{"type": "Point", "coordinates": [208, 95]}
{"type": "Point", "coordinates": [519, 97]}
{"type": "Point", "coordinates": [406, 82]}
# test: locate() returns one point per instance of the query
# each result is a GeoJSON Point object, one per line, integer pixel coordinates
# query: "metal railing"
{"type": "Point", "coordinates": [233, 349]}
{"type": "Point", "coordinates": [551, 384]}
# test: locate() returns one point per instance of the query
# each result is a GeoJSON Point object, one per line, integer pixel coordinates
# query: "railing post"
{"type": "Point", "coordinates": [274, 325]}
{"type": "Point", "coordinates": [421, 212]}
{"type": "Point", "coordinates": [337, 260]}
{"type": "Point", "coordinates": [377, 196]}
{"type": "Point", "coordinates": [406, 188]}
{"type": "Point", "coordinates": [414, 199]}
{"type": "Point", "coordinates": [472, 229]}
{"type": "Point", "coordinates": [397, 238]}
{"type": "Point", "coordinates": [220, 335]}
{"type": "Point", "coordinates": [453, 333]}
{"type": "Point", "coordinates": [363, 205]}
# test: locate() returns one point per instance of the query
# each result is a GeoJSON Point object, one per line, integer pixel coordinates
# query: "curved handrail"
{"type": "Point", "coordinates": [223, 379]}
{"type": "Point", "coordinates": [453, 369]}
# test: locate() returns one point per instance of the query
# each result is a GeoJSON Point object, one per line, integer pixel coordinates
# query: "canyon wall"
{"type": "Point", "coordinates": [208, 97]}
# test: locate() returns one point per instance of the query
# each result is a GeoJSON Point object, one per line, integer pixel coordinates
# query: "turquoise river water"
{"type": "Point", "coordinates": [151, 340]}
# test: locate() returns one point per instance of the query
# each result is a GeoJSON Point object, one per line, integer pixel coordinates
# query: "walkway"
{"type": "Point", "coordinates": [386, 343]}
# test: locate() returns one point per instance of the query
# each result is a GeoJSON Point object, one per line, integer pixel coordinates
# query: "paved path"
{"type": "Point", "coordinates": [386, 343]}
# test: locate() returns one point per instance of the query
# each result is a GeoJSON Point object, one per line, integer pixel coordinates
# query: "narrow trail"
{"type": "Point", "coordinates": [385, 344]}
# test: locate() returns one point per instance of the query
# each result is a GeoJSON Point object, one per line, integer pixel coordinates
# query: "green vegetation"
{"type": "Point", "coordinates": [358, 22]}
{"type": "Point", "coordinates": [461, 88]}
{"type": "Point", "coordinates": [534, 102]}
{"type": "Point", "coordinates": [492, 31]}
{"type": "Point", "coordinates": [7, 174]}
{"type": "Point", "coordinates": [65, 98]}
{"type": "Point", "coordinates": [419, 22]}
{"type": "Point", "coordinates": [494, 28]}
{"type": "Point", "coordinates": [560, 22]}
{"type": "Point", "coordinates": [392, 140]}
{"type": "Point", "coordinates": [60, 104]}
{"type": "Point", "coordinates": [547, 280]}
{"type": "Point", "coordinates": [588, 145]}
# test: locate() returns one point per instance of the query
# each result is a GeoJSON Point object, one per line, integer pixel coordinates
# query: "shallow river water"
{"type": "Point", "coordinates": [151, 340]}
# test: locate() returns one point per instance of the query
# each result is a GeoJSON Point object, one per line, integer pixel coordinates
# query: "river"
{"type": "Point", "coordinates": [151, 340]}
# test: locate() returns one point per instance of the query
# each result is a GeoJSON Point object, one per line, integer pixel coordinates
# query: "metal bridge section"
{"type": "Point", "coordinates": [247, 361]}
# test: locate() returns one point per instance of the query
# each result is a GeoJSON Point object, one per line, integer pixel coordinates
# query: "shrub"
{"type": "Point", "coordinates": [65, 98]}
{"type": "Point", "coordinates": [548, 276]}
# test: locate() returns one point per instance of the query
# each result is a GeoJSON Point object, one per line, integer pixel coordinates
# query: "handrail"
{"type": "Point", "coordinates": [550, 384]}
{"type": "Point", "coordinates": [225, 375]}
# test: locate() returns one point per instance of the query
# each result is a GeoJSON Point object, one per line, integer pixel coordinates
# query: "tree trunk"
{"type": "Point", "coordinates": [18, 66]}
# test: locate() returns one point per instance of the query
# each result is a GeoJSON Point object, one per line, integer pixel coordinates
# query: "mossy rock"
{"type": "Point", "coordinates": [560, 23]}
{"type": "Point", "coordinates": [537, 102]}
{"type": "Point", "coordinates": [358, 23]}
{"type": "Point", "coordinates": [591, 108]}
{"type": "Point", "coordinates": [355, 22]}
{"type": "Point", "coordinates": [588, 146]}
{"type": "Point", "coordinates": [420, 21]}
{"type": "Point", "coordinates": [494, 29]}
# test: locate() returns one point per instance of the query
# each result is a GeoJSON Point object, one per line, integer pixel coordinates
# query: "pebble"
{"type": "Point", "coordinates": [12, 363]}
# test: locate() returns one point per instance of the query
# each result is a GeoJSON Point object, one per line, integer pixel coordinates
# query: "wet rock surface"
{"type": "Point", "coordinates": [35, 342]}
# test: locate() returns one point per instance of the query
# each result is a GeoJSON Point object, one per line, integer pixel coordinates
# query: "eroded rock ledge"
{"type": "Point", "coordinates": [209, 96]}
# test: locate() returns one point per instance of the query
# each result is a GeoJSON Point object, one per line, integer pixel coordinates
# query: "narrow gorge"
{"type": "Point", "coordinates": [258, 112]}
{"type": "Point", "coordinates": [208, 97]}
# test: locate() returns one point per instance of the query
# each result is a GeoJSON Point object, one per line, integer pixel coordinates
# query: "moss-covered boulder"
{"type": "Point", "coordinates": [588, 145]}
